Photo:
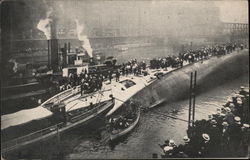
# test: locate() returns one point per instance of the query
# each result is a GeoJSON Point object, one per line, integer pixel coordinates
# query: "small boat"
{"type": "Point", "coordinates": [131, 123]}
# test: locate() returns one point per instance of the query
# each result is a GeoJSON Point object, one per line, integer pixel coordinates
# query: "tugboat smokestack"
{"type": "Point", "coordinates": [53, 49]}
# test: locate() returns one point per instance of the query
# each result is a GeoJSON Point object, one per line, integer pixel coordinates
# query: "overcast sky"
{"type": "Point", "coordinates": [233, 10]}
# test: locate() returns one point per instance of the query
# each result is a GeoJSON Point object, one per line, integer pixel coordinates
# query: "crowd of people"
{"type": "Point", "coordinates": [191, 56]}
{"type": "Point", "coordinates": [133, 67]}
{"type": "Point", "coordinates": [122, 122]}
{"type": "Point", "coordinates": [88, 82]}
{"type": "Point", "coordinates": [91, 82]}
{"type": "Point", "coordinates": [224, 134]}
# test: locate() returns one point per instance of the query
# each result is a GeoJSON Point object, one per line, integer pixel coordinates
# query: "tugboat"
{"type": "Point", "coordinates": [23, 86]}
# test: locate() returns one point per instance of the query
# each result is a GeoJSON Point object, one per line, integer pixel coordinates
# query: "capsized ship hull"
{"type": "Point", "coordinates": [174, 84]}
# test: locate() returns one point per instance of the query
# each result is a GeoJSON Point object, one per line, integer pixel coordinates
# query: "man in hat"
{"type": "Point", "coordinates": [168, 151]}
{"type": "Point", "coordinates": [229, 116]}
{"type": "Point", "coordinates": [204, 146]}
{"type": "Point", "coordinates": [165, 144]}
{"type": "Point", "coordinates": [238, 109]}
{"type": "Point", "coordinates": [188, 147]}
{"type": "Point", "coordinates": [225, 138]}
{"type": "Point", "coordinates": [210, 117]}
{"type": "Point", "coordinates": [245, 138]}
{"type": "Point", "coordinates": [186, 140]}
{"type": "Point", "coordinates": [232, 107]}
{"type": "Point", "coordinates": [245, 110]}
{"type": "Point", "coordinates": [178, 152]}
{"type": "Point", "coordinates": [229, 101]}
{"type": "Point", "coordinates": [242, 91]}
{"type": "Point", "coordinates": [214, 133]}
{"type": "Point", "coordinates": [172, 143]}
{"type": "Point", "coordinates": [225, 128]}
{"type": "Point", "coordinates": [220, 119]}
{"type": "Point", "coordinates": [234, 98]}
{"type": "Point", "coordinates": [216, 114]}
{"type": "Point", "coordinates": [235, 132]}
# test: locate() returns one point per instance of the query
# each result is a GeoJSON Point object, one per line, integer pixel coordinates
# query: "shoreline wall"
{"type": "Point", "coordinates": [210, 73]}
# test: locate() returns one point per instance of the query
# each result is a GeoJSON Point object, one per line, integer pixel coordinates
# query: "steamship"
{"type": "Point", "coordinates": [63, 111]}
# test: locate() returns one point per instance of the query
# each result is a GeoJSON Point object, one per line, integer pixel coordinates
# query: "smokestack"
{"type": "Point", "coordinates": [53, 48]}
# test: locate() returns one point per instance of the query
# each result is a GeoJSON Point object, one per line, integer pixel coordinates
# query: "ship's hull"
{"type": "Point", "coordinates": [210, 73]}
{"type": "Point", "coordinates": [174, 85]}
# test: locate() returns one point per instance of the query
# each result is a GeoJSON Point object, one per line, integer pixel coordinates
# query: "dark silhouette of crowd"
{"type": "Point", "coordinates": [224, 134]}
{"type": "Point", "coordinates": [88, 82]}
{"type": "Point", "coordinates": [133, 67]}
{"type": "Point", "coordinates": [191, 56]}
{"type": "Point", "coordinates": [91, 82]}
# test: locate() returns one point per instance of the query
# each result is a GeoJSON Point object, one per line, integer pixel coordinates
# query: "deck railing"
{"type": "Point", "coordinates": [61, 96]}
{"type": "Point", "coordinates": [84, 115]}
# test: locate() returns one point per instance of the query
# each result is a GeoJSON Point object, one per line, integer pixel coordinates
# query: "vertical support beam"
{"type": "Point", "coordinates": [194, 86]}
{"type": "Point", "coordinates": [190, 99]}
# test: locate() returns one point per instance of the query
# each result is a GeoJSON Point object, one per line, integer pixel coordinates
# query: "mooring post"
{"type": "Point", "coordinates": [190, 100]}
{"type": "Point", "coordinates": [193, 93]}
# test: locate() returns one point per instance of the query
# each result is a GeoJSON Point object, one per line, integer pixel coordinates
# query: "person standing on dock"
{"type": "Point", "coordinates": [236, 133]}
{"type": "Point", "coordinates": [188, 148]}
{"type": "Point", "coordinates": [204, 146]}
{"type": "Point", "coordinates": [225, 138]}
{"type": "Point", "coordinates": [246, 137]}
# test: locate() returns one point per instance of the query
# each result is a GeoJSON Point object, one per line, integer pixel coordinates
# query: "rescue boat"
{"type": "Point", "coordinates": [131, 122]}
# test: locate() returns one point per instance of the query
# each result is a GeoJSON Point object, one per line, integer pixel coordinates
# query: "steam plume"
{"type": "Point", "coordinates": [83, 38]}
{"type": "Point", "coordinates": [44, 25]}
